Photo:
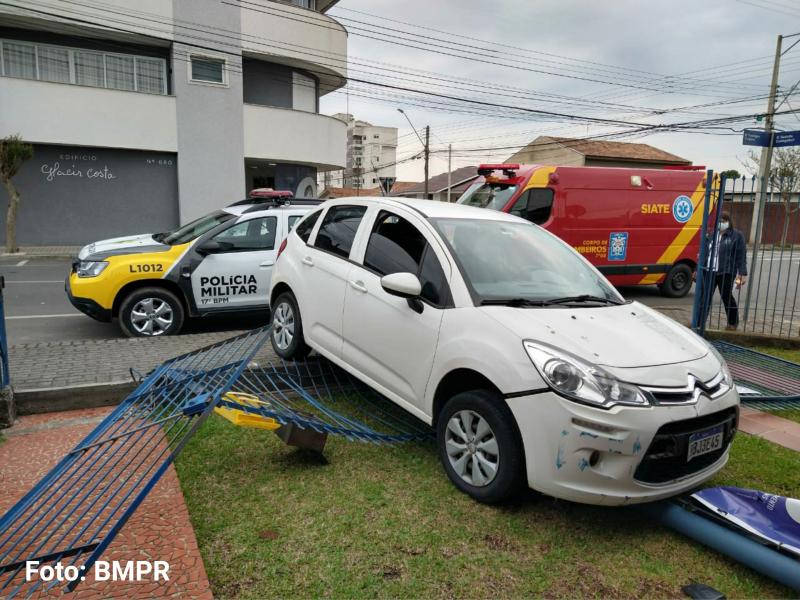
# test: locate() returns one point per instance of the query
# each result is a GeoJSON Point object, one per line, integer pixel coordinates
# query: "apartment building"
{"type": "Point", "coordinates": [147, 115]}
{"type": "Point", "coordinates": [371, 154]}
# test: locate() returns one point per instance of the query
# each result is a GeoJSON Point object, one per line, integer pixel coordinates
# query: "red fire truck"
{"type": "Point", "coordinates": [637, 226]}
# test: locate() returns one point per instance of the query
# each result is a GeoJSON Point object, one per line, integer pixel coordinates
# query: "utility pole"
{"type": "Point", "coordinates": [449, 169]}
{"type": "Point", "coordinates": [427, 156]}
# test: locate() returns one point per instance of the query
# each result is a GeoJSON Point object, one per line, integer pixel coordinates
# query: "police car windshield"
{"type": "Point", "coordinates": [486, 195]}
{"type": "Point", "coordinates": [196, 228]}
{"type": "Point", "coordinates": [522, 265]}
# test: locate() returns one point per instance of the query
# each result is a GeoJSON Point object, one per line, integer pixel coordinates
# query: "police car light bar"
{"type": "Point", "coordinates": [507, 169]}
{"type": "Point", "coordinates": [270, 193]}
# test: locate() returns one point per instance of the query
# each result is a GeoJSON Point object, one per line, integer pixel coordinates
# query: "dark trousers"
{"type": "Point", "coordinates": [724, 283]}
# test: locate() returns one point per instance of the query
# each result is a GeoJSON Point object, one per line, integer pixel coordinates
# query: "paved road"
{"type": "Point", "coordinates": [37, 309]}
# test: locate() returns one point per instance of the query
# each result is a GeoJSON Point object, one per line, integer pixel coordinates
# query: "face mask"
{"type": "Point", "coordinates": [723, 226]}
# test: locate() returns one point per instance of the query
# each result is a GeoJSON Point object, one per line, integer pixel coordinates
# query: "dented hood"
{"type": "Point", "coordinates": [626, 336]}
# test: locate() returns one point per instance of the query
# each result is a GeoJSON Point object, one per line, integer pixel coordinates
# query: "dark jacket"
{"type": "Point", "coordinates": [732, 253]}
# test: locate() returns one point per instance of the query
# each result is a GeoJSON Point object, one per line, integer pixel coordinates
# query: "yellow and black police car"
{"type": "Point", "coordinates": [220, 263]}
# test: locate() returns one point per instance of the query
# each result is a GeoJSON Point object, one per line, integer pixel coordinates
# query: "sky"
{"type": "Point", "coordinates": [614, 60]}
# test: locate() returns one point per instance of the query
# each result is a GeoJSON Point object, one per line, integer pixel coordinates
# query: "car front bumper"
{"type": "Point", "coordinates": [86, 305]}
{"type": "Point", "coordinates": [624, 455]}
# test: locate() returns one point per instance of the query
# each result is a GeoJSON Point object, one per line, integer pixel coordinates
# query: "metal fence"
{"type": "Point", "coordinates": [5, 378]}
{"type": "Point", "coordinates": [754, 289]}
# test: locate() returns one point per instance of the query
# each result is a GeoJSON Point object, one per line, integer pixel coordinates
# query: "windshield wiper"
{"type": "Point", "coordinates": [583, 298]}
{"type": "Point", "coordinates": [514, 302]}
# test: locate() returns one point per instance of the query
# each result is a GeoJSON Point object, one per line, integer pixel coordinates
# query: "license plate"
{"type": "Point", "coordinates": [704, 442]}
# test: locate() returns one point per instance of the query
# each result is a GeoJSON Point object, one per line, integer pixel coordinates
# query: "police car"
{"type": "Point", "coordinates": [221, 263]}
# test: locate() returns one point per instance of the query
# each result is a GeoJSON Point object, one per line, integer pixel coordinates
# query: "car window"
{"type": "Point", "coordinates": [304, 228]}
{"type": "Point", "coordinates": [255, 234]}
{"type": "Point", "coordinates": [338, 229]}
{"type": "Point", "coordinates": [534, 205]}
{"type": "Point", "coordinates": [196, 228]}
{"type": "Point", "coordinates": [294, 219]}
{"type": "Point", "coordinates": [396, 246]}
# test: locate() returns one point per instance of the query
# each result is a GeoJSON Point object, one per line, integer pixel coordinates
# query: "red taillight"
{"type": "Point", "coordinates": [282, 247]}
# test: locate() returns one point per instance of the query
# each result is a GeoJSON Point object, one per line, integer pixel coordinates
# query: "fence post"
{"type": "Point", "coordinates": [8, 412]}
{"type": "Point", "coordinates": [699, 308]}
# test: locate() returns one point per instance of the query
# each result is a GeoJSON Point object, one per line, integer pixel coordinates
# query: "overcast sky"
{"type": "Point", "coordinates": [630, 42]}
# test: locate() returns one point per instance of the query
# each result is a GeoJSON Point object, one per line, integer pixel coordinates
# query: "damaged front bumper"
{"type": "Point", "coordinates": [624, 455]}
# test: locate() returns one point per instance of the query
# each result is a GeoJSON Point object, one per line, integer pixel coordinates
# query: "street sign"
{"type": "Point", "coordinates": [786, 138]}
{"type": "Point", "coordinates": [755, 137]}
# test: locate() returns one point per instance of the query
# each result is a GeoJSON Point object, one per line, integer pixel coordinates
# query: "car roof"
{"type": "Point", "coordinates": [261, 208]}
{"type": "Point", "coordinates": [433, 208]}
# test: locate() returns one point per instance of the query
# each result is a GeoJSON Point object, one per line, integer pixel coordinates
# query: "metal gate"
{"type": "Point", "coordinates": [751, 287]}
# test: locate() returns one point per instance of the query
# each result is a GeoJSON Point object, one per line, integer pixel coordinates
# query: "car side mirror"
{"type": "Point", "coordinates": [403, 285]}
{"type": "Point", "coordinates": [212, 247]}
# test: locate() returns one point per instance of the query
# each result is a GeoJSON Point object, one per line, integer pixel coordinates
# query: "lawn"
{"type": "Point", "coordinates": [273, 521]}
{"type": "Point", "coordinates": [786, 354]}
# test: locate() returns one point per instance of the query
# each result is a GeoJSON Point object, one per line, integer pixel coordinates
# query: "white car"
{"type": "Point", "coordinates": [529, 364]}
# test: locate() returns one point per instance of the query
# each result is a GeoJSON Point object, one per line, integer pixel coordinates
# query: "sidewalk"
{"type": "Point", "coordinates": [159, 529]}
{"type": "Point", "coordinates": [46, 251]}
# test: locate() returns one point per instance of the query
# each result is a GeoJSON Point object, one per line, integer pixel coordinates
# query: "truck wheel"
{"type": "Point", "coordinates": [480, 447]}
{"type": "Point", "coordinates": [287, 329]}
{"type": "Point", "coordinates": [150, 312]}
{"type": "Point", "coordinates": [678, 281]}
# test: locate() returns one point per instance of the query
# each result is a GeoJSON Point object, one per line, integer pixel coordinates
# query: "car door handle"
{"type": "Point", "coordinates": [358, 286]}
{"type": "Point", "coordinates": [308, 261]}
{"type": "Point", "coordinates": [267, 263]}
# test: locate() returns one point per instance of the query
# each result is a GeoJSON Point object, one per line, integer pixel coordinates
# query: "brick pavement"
{"type": "Point", "coordinates": [159, 529]}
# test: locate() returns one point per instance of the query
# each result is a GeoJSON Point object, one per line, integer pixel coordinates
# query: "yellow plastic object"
{"type": "Point", "coordinates": [245, 419]}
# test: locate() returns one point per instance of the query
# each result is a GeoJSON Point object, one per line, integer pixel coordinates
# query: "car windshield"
{"type": "Point", "coordinates": [194, 229]}
{"type": "Point", "coordinates": [520, 263]}
{"type": "Point", "coordinates": [488, 195]}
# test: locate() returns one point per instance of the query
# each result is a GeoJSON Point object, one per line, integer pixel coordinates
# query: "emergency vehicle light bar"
{"type": "Point", "coordinates": [270, 193]}
{"type": "Point", "coordinates": [507, 169]}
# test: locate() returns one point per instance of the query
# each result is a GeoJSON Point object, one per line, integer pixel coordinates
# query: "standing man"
{"type": "Point", "coordinates": [730, 267]}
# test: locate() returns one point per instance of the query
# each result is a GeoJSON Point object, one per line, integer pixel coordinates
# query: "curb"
{"type": "Point", "coordinates": [57, 399]}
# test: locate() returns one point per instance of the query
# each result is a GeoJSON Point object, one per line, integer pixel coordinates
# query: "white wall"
{"type": "Point", "coordinates": [284, 135]}
{"type": "Point", "coordinates": [59, 113]}
{"type": "Point", "coordinates": [304, 93]}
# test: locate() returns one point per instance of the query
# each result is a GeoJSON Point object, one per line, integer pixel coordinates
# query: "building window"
{"type": "Point", "coordinates": [310, 4]}
{"type": "Point", "coordinates": [376, 136]}
{"type": "Point", "coordinates": [91, 68]}
{"type": "Point", "coordinates": [208, 70]}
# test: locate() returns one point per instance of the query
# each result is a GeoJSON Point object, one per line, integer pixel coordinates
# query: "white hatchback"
{"type": "Point", "coordinates": [528, 363]}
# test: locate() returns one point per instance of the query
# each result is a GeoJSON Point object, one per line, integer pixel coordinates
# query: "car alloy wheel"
{"type": "Point", "coordinates": [283, 326]}
{"type": "Point", "coordinates": [151, 316]}
{"type": "Point", "coordinates": [472, 448]}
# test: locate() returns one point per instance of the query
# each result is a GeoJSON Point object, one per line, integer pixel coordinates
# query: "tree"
{"type": "Point", "coordinates": [13, 153]}
{"type": "Point", "coordinates": [784, 178]}
{"type": "Point", "coordinates": [731, 174]}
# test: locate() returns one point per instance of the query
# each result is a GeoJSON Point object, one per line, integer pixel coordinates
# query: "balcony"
{"type": "Point", "coordinates": [294, 136]}
{"type": "Point", "coordinates": [60, 113]}
{"type": "Point", "coordinates": [286, 34]}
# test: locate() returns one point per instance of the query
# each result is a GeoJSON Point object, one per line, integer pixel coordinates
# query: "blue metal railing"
{"type": "Point", "coordinates": [5, 378]}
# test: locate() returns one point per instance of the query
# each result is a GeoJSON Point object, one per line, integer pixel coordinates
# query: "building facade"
{"type": "Point", "coordinates": [371, 154]}
{"type": "Point", "coordinates": [144, 118]}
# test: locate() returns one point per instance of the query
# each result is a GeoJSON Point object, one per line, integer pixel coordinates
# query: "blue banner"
{"type": "Point", "coordinates": [769, 516]}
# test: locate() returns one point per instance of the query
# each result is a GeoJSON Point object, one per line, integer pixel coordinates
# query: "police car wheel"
{"type": "Point", "coordinates": [678, 281]}
{"type": "Point", "coordinates": [151, 312]}
{"type": "Point", "coordinates": [287, 328]}
{"type": "Point", "coordinates": [480, 446]}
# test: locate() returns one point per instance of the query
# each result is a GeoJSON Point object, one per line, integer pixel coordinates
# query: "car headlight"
{"type": "Point", "coordinates": [727, 378]}
{"type": "Point", "coordinates": [582, 381]}
{"type": "Point", "coordinates": [91, 268]}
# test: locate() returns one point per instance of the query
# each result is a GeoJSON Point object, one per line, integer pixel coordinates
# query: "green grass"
{"type": "Point", "coordinates": [273, 521]}
{"type": "Point", "coordinates": [792, 355]}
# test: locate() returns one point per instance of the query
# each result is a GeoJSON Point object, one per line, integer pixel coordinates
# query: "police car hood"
{"type": "Point", "coordinates": [626, 336]}
{"type": "Point", "coordinates": [130, 244]}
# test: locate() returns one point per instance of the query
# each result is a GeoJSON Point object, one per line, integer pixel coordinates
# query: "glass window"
{"type": "Point", "coordinates": [208, 69]}
{"type": "Point", "coordinates": [19, 60]}
{"type": "Point", "coordinates": [503, 261]}
{"type": "Point", "coordinates": [488, 195]}
{"type": "Point", "coordinates": [255, 234]}
{"type": "Point", "coordinates": [150, 76]}
{"type": "Point", "coordinates": [54, 64]}
{"type": "Point", "coordinates": [338, 229]}
{"type": "Point", "coordinates": [196, 228]}
{"type": "Point", "coordinates": [292, 220]}
{"type": "Point", "coordinates": [89, 69]}
{"type": "Point", "coordinates": [396, 246]}
{"type": "Point", "coordinates": [304, 229]}
{"type": "Point", "coordinates": [540, 203]}
{"type": "Point", "coordinates": [119, 73]}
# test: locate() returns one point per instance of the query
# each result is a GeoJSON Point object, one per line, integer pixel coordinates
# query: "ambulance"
{"type": "Point", "coordinates": [219, 264]}
{"type": "Point", "coordinates": [637, 226]}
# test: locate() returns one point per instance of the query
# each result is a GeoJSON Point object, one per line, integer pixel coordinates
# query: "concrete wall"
{"type": "Point", "coordinates": [210, 117]}
{"type": "Point", "coordinates": [74, 195]}
{"type": "Point", "coordinates": [547, 154]}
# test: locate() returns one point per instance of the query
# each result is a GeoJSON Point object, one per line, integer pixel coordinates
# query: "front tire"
{"type": "Point", "coordinates": [678, 281]}
{"type": "Point", "coordinates": [151, 312]}
{"type": "Point", "coordinates": [480, 446]}
{"type": "Point", "coordinates": [287, 329]}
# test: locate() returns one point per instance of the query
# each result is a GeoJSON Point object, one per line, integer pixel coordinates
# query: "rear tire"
{"type": "Point", "coordinates": [678, 281]}
{"type": "Point", "coordinates": [480, 446]}
{"type": "Point", "coordinates": [287, 329]}
{"type": "Point", "coordinates": [151, 312]}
